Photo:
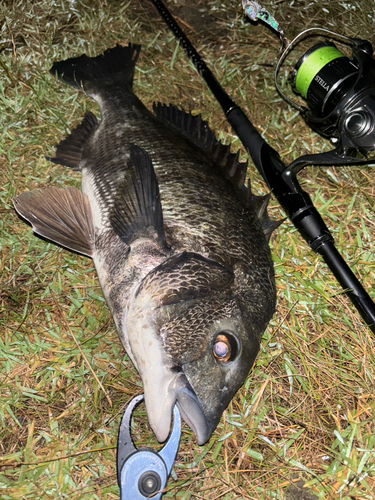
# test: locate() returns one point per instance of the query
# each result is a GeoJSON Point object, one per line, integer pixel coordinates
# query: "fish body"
{"type": "Point", "coordinates": [178, 241]}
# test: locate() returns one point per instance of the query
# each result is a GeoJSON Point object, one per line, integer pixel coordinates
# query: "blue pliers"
{"type": "Point", "coordinates": [143, 473]}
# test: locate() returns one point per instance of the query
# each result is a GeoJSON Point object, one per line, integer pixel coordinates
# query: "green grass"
{"type": "Point", "coordinates": [305, 416]}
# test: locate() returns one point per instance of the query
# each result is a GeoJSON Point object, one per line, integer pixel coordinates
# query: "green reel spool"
{"type": "Point", "coordinates": [310, 65]}
{"type": "Point", "coordinates": [322, 76]}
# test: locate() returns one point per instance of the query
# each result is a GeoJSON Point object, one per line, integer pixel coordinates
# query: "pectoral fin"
{"type": "Point", "coordinates": [60, 215]}
{"type": "Point", "coordinates": [137, 204]}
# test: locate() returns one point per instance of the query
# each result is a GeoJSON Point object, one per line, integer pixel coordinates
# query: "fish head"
{"type": "Point", "coordinates": [193, 338]}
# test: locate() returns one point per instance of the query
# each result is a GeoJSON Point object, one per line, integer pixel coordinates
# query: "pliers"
{"type": "Point", "coordinates": [143, 473]}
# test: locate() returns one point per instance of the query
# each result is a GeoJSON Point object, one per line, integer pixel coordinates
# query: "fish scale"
{"type": "Point", "coordinates": [188, 183]}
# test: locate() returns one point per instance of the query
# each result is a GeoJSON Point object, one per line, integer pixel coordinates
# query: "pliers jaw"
{"type": "Point", "coordinates": [143, 473]}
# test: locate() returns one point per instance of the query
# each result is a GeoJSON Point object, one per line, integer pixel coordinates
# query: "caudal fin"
{"type": "Point", "coordinates": [91, 74]}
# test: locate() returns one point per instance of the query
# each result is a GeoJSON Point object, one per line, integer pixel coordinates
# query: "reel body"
{"type": "Point", "coordinates": [340, 93]}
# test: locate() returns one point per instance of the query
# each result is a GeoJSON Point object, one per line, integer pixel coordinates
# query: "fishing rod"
{"type": "Point", "coordinates": [354, 134]}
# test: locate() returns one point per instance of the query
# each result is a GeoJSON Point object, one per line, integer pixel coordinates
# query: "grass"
{"type": "Point", "coordinates": [302, 426]}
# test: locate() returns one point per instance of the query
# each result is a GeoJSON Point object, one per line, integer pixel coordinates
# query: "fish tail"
{"type": "Point", "coordinates": [91, 74]}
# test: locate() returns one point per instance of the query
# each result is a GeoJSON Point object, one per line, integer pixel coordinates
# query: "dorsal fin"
{"type": "Point", "coordinates": [198, 131]}
{"type": "Point", "coordinates": [260, 204]}
{"type": "Point", "coordinates": [137, 204]}
{"type": "Point", "coordinates": [69, 151]}
{"type": "Point", "coordinates": [60, 215]}
{"type": "Point", "coordinates": [192, 126]}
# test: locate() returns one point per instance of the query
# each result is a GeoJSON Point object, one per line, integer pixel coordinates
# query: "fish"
{"type": "Point", "coordinates": [179, 241]}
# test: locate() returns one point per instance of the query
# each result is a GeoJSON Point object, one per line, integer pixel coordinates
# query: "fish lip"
{"type": "Point", "coordinates": [177, 390]}
{"type": "Point", "coordinates": [191, 409]}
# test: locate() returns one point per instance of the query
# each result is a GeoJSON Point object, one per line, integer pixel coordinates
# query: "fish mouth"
{"type": "Point", "coordinates": [191, 409]}
{"type": "Point", "coordinates": [159, 415]}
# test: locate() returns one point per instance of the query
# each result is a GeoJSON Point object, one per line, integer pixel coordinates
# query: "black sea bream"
{"type": "Point", "coordinates": [178, 241]}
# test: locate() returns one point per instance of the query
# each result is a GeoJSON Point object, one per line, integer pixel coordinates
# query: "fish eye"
{"type": "Point", "coordinates": [225, 347]}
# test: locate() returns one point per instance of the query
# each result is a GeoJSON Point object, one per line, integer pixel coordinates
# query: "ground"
{"type": "Point", "coordinates": [302, 426]}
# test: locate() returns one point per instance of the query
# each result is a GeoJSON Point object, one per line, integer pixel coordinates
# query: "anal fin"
{"type": "Point", "coordinates": [60, 215]}
{"type": "Point", "coordinates": [69, 151]}
{"type": "Point", "coordinates": [137, 205]}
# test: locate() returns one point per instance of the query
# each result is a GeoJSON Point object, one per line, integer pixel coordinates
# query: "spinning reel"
{"type": "Point", "coordinates": [340, 93]}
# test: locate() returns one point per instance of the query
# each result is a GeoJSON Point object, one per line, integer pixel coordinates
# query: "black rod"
{"type": "Point", "coordinates": [283, 183]}
{"type": "Point", "coordinates": [347, 279]}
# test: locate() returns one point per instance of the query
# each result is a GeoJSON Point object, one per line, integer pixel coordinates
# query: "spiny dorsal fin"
{"type": "Point", "coordinates": [60, 215]}
{"type": "Point", "coordinates": [192, 126]}
{"type": "Point", "coordinates": [269, 226]}
{"type": "Point", "coordinates": [137, 204]}
{"type": "Point", "coordinates": [69, 151]}
{"type": "Point", "coordinates": [260, 204]}
{"type": "Point", "coordinates": [198, 131]}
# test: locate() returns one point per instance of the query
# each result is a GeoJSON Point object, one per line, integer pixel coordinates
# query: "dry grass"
{"type": "Point", "coordinates": [305, 416]}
